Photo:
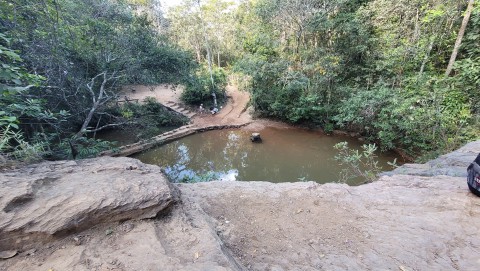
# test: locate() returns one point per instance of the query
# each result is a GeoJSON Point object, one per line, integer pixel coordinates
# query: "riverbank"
{"type": "Point", "coordinates": [400, 222]}
{"type": "Point", "coordinates": [234, 114]}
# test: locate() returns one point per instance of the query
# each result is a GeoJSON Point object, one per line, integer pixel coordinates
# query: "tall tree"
{"type": "Point", "coordinates": [86, 50]}
{"type": "Point", "coordinates": [209, 55]}
{"type": "Point", "coordinates": [458, 42]}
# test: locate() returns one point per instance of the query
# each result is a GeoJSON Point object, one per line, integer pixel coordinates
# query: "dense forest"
{"type": "Point", "coordinates": [63, 64]}
{"type": "Point", "coordinates": [403, 74]}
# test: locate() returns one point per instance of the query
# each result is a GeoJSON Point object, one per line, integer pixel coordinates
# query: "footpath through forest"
{"type": "Point", "coordinates": [232, 115]}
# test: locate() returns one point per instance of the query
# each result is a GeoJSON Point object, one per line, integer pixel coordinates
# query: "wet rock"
{"type": "Point", "coordinates": [255, 137]}
{"type": "Point", "coordinates": [51, 199]}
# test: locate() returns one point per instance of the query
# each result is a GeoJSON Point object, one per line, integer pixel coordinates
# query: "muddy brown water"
{"type": "Point", "coordinates": [285, 155]}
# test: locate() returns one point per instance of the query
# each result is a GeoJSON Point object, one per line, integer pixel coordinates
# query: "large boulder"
{"type": "Point", "coordinates": [51, 199]}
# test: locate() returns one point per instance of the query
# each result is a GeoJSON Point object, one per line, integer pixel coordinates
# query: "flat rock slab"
{"type": "Point", "coordinates": [50, 199]}
{"type": "Point", "coordinates": [451, 164]}
{"type": "Point", "coordinates": [400, 222]}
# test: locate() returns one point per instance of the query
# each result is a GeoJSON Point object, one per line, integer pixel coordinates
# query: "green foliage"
{"type": "Point", "coordinates": [345, 64]}
{"type": "Point", "coordinates": [328, 128]}
{"type": "Point", "coordinates": [326, 63]}
{"type": "Point", "coordinates": [68, 43]}
{"type": "Point", "coordinates": [148, 119]}
{"type": "Point", "coordinates": [86, 147]}
{"type": "Point", "coordinates": [7, 132]}
{"type": "Point", "coordinates": [419, 118]}
{"type": "Point", "coordinates": [280, 92]}
{"type": "Point", "coordinates": [14, 81]}
{"type": "Point", "coordinates": [199, 88]}
{"type": "Point", "coordinates": [205, 177]}
{"type": "Point", "coordinates": [260, 45]}
{"type": "Point", "coordinates": [357, 164]}
{"type": "Point", "coordinates": [205, 26]}
{"type": "Point", "coordinates": [467, 69]}
{"type": "Point", "coordinates": [12, 144]}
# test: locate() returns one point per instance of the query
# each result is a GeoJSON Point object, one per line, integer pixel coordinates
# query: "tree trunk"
{"type": "Point", "coordinates": [459, 37]}
{"type": "Point", "coordinates": [209, 55]}
{"type": "Point", "coordinates": [87, 120]}
{"type": "Point", "coordinates": [427, 55]}
{"type": "Point", "coordinates": [416, 31]}
{"type": "Point", "coordinates": [218, 58]}
{"type": "Point", "coordinates": [97, 101]}
{"type": "Point", "coordinates": [199, 54]}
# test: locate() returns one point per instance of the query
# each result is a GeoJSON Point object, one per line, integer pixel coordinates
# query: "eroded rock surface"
{"type": "Point", "coordinates": [409, 222]}
{"type": "Point", "coordinates": [400, 222]}
{"type": "Point", "coordinates": [451, 164]}
{"type": "Point", "coordinates": [54, 198]}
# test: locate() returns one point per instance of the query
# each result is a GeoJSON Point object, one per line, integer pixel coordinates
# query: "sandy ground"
{"type": "Point", "coordinates": [402, 223]}
{"type": "Point", "coordinates": [162, 93]}
{"type": "Point", "coordinates": [234, 112]}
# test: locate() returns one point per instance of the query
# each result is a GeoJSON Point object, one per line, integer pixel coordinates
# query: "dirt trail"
{"type": "Point", "coordinates": [162, 93]}
{"type": "Point", "coordinates": [234, 112]}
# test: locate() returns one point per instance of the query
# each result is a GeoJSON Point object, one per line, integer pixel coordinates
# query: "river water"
{"type": "Point", "coordinates": [285, 155]}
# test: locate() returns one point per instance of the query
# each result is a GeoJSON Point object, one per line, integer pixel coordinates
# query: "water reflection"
{"type": "Point", "coordinates": [285, 155]}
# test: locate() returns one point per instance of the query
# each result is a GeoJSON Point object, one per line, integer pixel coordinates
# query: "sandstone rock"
{"type": "Point", "coordinates": [400, 222]}
{"type": "Point", "coordinates": [50, 199]}
{"type": "Point", "coordinates": [255, 137]}
{"type": "Point", "coordinates": [8, 254]}
{"type": "Point", "coordinates": [421, 223]}
{"type": "Point", "coordinates": [452, 164]}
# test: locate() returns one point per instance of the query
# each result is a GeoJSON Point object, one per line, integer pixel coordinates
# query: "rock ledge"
{"type": "Point", "coordinates": [51, 199]}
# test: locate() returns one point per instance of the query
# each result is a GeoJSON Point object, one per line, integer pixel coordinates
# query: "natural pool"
{"type": "Point", "coordinates": [285, 155]}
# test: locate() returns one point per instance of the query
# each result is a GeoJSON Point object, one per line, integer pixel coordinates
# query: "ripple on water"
{"type": "Point", "coordinates": [285, 155]}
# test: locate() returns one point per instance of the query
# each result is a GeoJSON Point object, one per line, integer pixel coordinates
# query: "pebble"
{"type": "Point", "coordinates": [8, 254]}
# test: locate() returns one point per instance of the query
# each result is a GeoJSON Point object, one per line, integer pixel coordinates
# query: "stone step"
{"type": "Point", "coordinates": [180, 109]}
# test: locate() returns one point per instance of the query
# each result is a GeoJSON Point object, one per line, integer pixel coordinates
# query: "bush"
{"type": "Point", "coordinates": [148, 119]}
{"type": "Point", "coordinates": [282, 91]}
{"type": "Point", "coordinates": [358, 164]}
{"type": "Point", "coordinates": [86, 148]}
{"type": "Point", "coordinates": [199, 88]}
{"type": "Point", "coordinates": [420, 117]}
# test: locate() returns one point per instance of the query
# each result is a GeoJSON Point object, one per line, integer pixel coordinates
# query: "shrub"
{"type": "Point", "coordinates": [357, 164]}
{"type": "Point", "coordinates": [199, 88]}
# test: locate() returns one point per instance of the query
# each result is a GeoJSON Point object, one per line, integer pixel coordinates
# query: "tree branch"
{"type": "Point", "coordinates": [97, 101]}
{"type": "Point", "coordinates": [106, 126]}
